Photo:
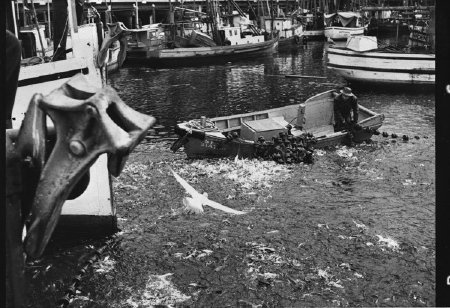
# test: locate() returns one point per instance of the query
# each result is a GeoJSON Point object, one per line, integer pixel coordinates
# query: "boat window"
{"type": "Point", "coordinates": [231, 33]}
{"type": "Point", "coordinates": [235, 32]}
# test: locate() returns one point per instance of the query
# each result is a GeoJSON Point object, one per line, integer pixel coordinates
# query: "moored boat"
{"type": "Point", "coordinates": [313, 26]}
{"type": "Point", "coordinates": [241, 134]}
{"type": "Point", "coordinates": [288, 29]}
{"type": "Point", "coordinates": [203, 38]}
{"type": "Point", "coordinates": [361, 60]}
{"type": "Point", "coordinates": [341, 25]}
{"type": "Point", "coordinates": [260, 46]}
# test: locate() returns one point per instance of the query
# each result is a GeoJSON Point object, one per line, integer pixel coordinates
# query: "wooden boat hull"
{"type": "Point", "coordinates": [342, 33]}
{"type": "Point", "coordinates": [289, 43]}
{"type": "Point", "coordinates": [199, 144]}
{"type": "Point", "coordinates": [314, 34]}
{"type": "Point", "coordinates": [158, 56]}
{"type": "Point", "coordinates": [382, 67]}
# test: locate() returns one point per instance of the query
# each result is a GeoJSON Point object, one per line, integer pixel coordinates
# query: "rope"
{"type": "Point", "coordinates": [197, 124]}
{"type": "Point", "coordinates": [60, 40]}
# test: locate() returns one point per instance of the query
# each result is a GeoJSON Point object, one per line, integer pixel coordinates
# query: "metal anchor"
{"type": "Point", "coordinates": [88, 122]}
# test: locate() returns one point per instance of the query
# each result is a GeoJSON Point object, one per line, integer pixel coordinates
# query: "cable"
{"type": "Point", "coordinates": [60, 40]}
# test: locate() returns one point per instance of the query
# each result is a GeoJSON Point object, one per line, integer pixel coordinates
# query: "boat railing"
{"type": "Point", "coordinates": [230, 123]}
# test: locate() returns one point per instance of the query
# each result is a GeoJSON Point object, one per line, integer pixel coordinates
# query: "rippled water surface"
{"type": "Point", "coordinates": [393, 181]}
{"type": "Point", "coordinates": [369, 208]}
{"type": "Point", "coordinates": [405, 171]}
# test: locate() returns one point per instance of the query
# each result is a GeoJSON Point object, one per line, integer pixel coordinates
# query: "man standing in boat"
{"type": "Point", "coordinates": [345, 103]}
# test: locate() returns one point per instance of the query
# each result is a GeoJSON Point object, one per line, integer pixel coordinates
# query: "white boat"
{"type": "Point", "coordinates": [362, 61]}
{"type": "Point", "coordinates": [342, 33]}
{"type": "Point", "coordinates": [342, 25]}
{"type": "Point", "coordinates": [94, 207]}
{"type": "Point", "coordinates": [314, 34]}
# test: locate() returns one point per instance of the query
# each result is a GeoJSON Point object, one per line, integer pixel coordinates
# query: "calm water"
{"type": "Point", "coordinates": [387, 185]}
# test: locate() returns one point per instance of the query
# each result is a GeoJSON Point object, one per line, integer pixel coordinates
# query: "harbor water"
{"type": "Point", "coordinates": [393, 180]}
{"type": "Point", "coordinates": [388, 185]}
{"type": "Point", "coordinates": [355, 228]}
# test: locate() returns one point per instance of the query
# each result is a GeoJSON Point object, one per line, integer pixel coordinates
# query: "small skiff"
{"type": "Point", "coordinates": [242, 133]}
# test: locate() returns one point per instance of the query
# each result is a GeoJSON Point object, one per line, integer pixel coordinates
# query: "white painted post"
{"type": "Point", "coordinates": [14, 18]}
{"type": "Point", "coordinates": [137, 15]}
{"type": "Point", "coordinates": [49, 20]}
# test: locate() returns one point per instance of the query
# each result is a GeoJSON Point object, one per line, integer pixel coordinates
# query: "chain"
{"type": "Point", "coordinates": [76, 280]}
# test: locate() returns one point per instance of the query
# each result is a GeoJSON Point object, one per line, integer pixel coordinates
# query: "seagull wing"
{"type": "Point", "coordinates": [189, 189]}
{"type": "Point", "coordinates": [221, 207]}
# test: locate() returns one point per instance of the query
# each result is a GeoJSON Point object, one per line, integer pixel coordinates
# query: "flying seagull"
{"type": "Point", "coordinates": [197, 201]}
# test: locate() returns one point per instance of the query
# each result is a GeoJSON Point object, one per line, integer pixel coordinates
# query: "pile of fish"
{"type": "Point", "coordinates": [286, 149]}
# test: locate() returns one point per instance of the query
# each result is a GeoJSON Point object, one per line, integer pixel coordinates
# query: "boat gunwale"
{"type": "Point", "coordinates": [371, 115]}
{"type": "Point", "coordinates": [344, 28]}
{"type": "Point", "coordinates": [344, 51]}
{"type": "Point", "coordinates": [231, 48]}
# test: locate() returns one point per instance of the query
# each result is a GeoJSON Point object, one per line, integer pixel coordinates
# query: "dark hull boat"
{"type": "Point", "coordinates": [240, 134]}
{"type": "Point", "coordinates": [199, 54]}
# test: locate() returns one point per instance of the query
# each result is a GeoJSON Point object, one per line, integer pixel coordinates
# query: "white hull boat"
{"type": "Point", "coordinates": [342, 25]}
{"type": "Point", "coordinates": [378, 66]}
{"type": "Point", "coordinates": [342, 33]}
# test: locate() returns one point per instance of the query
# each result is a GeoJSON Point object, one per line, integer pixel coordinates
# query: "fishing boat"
{"type": "Point", "coordinates": [289, 30]}
{"type": "Point", "coordinates": [362, 60]}
{"type": "Point", "coordinates": [201, 38]}
{"type": "Point", "coordinates": [286, 25]}
{"type": "Point", "coordinates": [341, 25]}
{"type": "Point", "coordinates": [240, 134]}
{"type": "Point", "coordinates": [313, 26]}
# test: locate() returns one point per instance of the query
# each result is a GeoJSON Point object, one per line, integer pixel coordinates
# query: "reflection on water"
{"type": "Point", "coordinates": [216, 90]}
{"type": "Point", "coordinates": [391, 180]}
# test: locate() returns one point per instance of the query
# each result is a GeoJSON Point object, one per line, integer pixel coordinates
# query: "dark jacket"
{"type": "Point", "coordinates": [343, 107]}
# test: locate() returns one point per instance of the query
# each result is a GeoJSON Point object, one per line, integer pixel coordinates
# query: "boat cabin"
{"type": "Point", "coordinates": [286, 26]}
{"type": "Point", "coordinates": [148, 36]}
{"type": "Point", "coordinates": [343, 19]}
{"type": "Point", "coordinates": [237, 37]}
{"type": "Point", "coordinates": [237, 29]}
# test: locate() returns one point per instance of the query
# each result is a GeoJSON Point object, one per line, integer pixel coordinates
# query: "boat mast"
{"type": "Point", "coordinates": [212, 11]}
{"type": "Point", "coordinates": [271, 17]}
{"type": "Point", "coordinates": [36, 24]}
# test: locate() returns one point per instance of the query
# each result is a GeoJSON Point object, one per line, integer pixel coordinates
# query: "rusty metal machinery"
{"type": "Point", "coordinates": [41, 176]}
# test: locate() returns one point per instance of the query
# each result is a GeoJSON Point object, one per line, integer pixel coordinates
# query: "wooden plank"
{"type": "Point", "coordinates": [304, 76]}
